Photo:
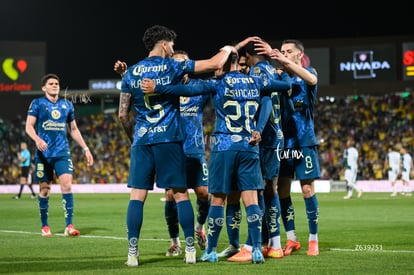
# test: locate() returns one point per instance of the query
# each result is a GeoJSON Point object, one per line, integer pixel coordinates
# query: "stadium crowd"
{"type": "Point", "coordinates": [374, 121]}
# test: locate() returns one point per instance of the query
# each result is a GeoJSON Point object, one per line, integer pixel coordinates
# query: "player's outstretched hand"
{"type": "Point", "coordinates": [120, 67]}
{"type": "Point", "coordinates": [148, 86]}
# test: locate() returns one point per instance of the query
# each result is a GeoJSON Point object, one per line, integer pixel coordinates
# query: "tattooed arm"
{"type": "Point", "coordinates": [123, 114]}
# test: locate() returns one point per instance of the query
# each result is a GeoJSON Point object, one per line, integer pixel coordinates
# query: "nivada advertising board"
{"type": "Point", "coordinates": [365, 63]}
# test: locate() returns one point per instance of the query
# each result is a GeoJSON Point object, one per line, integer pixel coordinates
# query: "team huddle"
{"type": "Point", "coordinates": [262, 112]}
{"type": "Point", "coordinates": [250, 128]}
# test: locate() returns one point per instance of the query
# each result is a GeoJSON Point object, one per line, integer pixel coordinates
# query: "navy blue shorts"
{"type": "Point", "coordinates": [45, 168]}
{"type": "Point", "coordinates": [197, 170]}
{"type": "Point", "coordinates": [234, 170]}
{"type": "Point", "coordinates": [270, 163]}
{"type": "Point", "coordinates": [300, 164]}
{"type": "Point", "coordinates": [165, 160]}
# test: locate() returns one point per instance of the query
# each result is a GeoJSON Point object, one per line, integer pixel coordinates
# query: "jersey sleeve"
{"type": "Point", "coordinates": [264, 113]}
{"type": "Point", "coordinates": [201, 88]}
{"type": "Point", "coordinates": [285, 83]}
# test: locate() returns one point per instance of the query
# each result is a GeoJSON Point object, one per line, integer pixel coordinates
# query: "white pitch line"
{"type": "Point", "coordinates": [80, 236]}
{"type": "Point", "coordinates": [164, 240]}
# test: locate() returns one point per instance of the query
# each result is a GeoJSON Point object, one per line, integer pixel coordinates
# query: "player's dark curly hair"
{"type": "Point", "coordinates": [250, 49]}
{"type": "Point", "coordinates": [157, 33]}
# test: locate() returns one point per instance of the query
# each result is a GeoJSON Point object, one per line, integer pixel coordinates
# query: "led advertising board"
{"type": "Point", "coordinates": [365, 63]}
{"type": "Point", "coordinates": [22, 66]}
{"type": "Point", "coordinates": [408, 61]}
{"type": "Point", "coordinates": [319, 59]}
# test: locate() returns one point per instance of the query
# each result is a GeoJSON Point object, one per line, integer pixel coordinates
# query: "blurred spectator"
{"type": "Point", "coordinates": [375, 122]}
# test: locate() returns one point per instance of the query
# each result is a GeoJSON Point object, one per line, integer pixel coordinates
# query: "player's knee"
{"type": "Point", "coordinates": [307, 191]}
{"type": "Point", "coordinates": [44, 190]}
{"type": "Point", "coordinates": [202, 193]}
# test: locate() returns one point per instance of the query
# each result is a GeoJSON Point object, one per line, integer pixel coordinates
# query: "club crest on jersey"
{"type": "Point", "coordinates": [184, 99]}
{"type": "Point", "coordinates": [56, 114]}
{"type": "Point", "coordinates": [256, 70]}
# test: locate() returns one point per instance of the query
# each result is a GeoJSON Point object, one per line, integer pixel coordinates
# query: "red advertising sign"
{"type": "Point", "coordinates": [22, 66]}
{"type": "Point", "coordinates": [408, 60]}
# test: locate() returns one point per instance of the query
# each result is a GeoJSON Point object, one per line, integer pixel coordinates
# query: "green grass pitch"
{"type": "Point", "coordinates": [370, 235]}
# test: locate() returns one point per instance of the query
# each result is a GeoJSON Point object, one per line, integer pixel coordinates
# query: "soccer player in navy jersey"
{"type": "Point", "coordinates": [191, 110]}
{"type": "Point", "coordinates": [243, 66]}
{"type": "Point", "coordinates": [233, 208]}
{"type": "Point", "coordinates": [156, 134]}
{"type": "Point", "coordinates": [234, 163]}
{"type": "Point", "coordinates": [300, 157]}
{"type": "Point", "coordinates": [272, 142]}
{"type": "Point", "coordinates": [47, 124]}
